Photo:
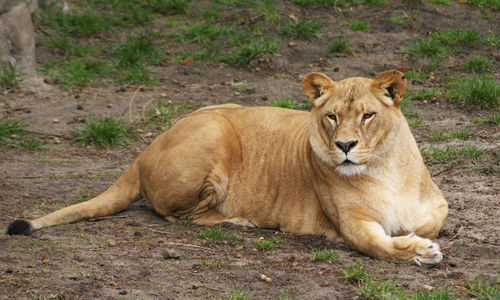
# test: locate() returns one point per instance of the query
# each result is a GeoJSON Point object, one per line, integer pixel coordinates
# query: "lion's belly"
{"type": "Point", "coordinates": [265, 205]}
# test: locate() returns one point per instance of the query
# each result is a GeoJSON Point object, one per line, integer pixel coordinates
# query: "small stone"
{"type": "Point", "coordinates": [112, 244]}
{"type": "Point", "coordinates": [55, 121]}
{"type": "Point", "coordinates": [164, 95]}
{"type": "Point", "coordinates": [238, 255]}
{"type": "Point", "coordinates": [324, 284]}
{"type": "Point", "coordinates": [292, 44]}
{"type": "Point", "coordinates": [14, 136]}
{"type": "Point", "coordinates": [113, 284]}
{"type": "Point", "coordinates": [441, 118]}
{"type": "Point", "coordinates": [265, 278]}
{"type": "Point", "coordinates": [57, 140]}
{"type": "Point", "coordinates": [293, 18]}
{"type": "Point", "coordinates": [169, 102]}
{"type": "Point", "coordinates": [336, 69]}
{"type": "Point", "coordinates": [79, 107]}
{"type": "Point", "coordinates": [148, 135]}
{"type": "Point", "coordinates": [254, 250]}
{"type": "Point", "coordinates": [110, 105]}
{"type": "Point", "coordinates": [424, 102]}
{"type": "Point", "coordinates": [139, 130]}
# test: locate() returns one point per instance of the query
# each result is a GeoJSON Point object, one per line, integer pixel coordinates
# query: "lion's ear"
{"type": "Point", "coordinates": [392, 85]}
{"type": "Point", "coordinates": [316, 85]}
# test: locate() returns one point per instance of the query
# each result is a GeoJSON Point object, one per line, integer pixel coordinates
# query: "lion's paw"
{"type": "Point", "coordinates": [427, 252]}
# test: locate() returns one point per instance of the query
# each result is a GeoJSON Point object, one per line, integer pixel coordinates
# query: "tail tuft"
{"type": "Point", "coordinates": [20, 227]}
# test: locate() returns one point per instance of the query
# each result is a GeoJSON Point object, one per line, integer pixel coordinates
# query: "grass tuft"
{"type": "Point", "coordinates": [359, 25]}
{"type": "Point", "coordinates": [478, 64]}
{"type": "Point", "coordinates": [216, 234]}
{"type": "Point", "coordinates": [285, 103]}
{"type": "Point", "coordinates": [483, 290]}
{"type": "Point", "coordinates": [460, 134]}
{"type": "Point", "coordinates": [324, 255]}
{"type": "Point", "coordinates": [138, 50]}
{"type": "Point", "coordinates": [105, 133]}
{"type": "Point", "coordinates": [339, 46]}
{"type": "Point", "coordinates": [75, 23]}
{"type": "Point", "coordinates": [7, 129]}
{"type": "Point", "coordinates": [307, 29]}
{"type": "Point", "coordinates": [169, 6]}
{"type": "Point", "coordinates": [436, 136]}
{"type": "Point", "coordinates": [9, 77]}
{"type": "Point", "coordinates": [79, 72]}
{"type": "Point", "coordinates": [256, 48]}
{"type": "Point", "coordinates": [482, 93]}
{"type": "Point", "coordinates": [270, 244]}
{"type": "Point", "coordinates": [493, 119]}
{"type": "Point", "coordinates": [237, 295]}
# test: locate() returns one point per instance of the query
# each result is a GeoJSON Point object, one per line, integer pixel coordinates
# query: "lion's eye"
{"type": "Point", "coordinates": [332, 117]}
{"type": "Point", "coordinates": [368, 116]}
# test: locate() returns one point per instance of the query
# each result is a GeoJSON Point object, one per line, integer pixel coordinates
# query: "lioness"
{"type": "Point", "coordinates": [350, 169]}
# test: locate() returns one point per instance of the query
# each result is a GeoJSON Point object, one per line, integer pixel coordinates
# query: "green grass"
{"type": "Point", "coordinates": [79, 72]}
{"type": "Point", "coordinates": [339, 45]}
{"type": "Point", "coordinates": [483, 290]}
{"type": "Point", "coordinates": [12, 134]}
{"type": "Point", "coordinates": [303, 29]}
{"type": "Point", "coordinates": [7, 129]}
{"type": "Point", "coordinates": [472, 153]}
{"type": "Point", "coordinates": [460, 134]}
{"type": "Point", "coordinates": [202, 33]}
{"type": "Point", "coordinates": [436, 136]}
{"type": "Point", "coordinates": [397, 21]}
{"type": "Point", "coordinates": [324, 255]}
{"type": "Point", "coordinates": [216, 234]}
{"type": "Point", "coordinates": [458, 36]}
{"type": "Point", "coordinates": [139, 50]}
{"type": "Point", "coordinates": [373, 288]}
{"type": "Point", "coordinates": [441, 43]}
{"type": "Point", "coordinates": [314, 2]}
{"type": "Point", "coordinates": [169, 6]}
{"type": "Point", "coordinates": [442, 2]}
{"type": "Point", "coordinates": [357, 273]}
{"type": "Point", "coordinates": [31, 144]}
{"type": "Point", "coordinates": [478, 64]}
{"type": "Point", "coordinates": [9, 77]}
{"type": "Point", "coordinates": [237, 295]}
{"type": "Point", "coordinates": [450, 155]}
{"type": "Point", "coordinates": [70, 47]}
{"type": "Point", "coordinates": [415, 74]}
{"type": "Point", "coordinates": [269, 244]}
{"type": "Point", "coordinates": [105, 133]}
{"type": "Point", "coordinates": [75, 23]}
{"type": "Point", "coordinates": [436, 294]}
{"type": "Point", "coordinates": [493, 119]}
{"type": "Point", "coordinates": [249, 51]}
{"type": "Point", "coordinates": [428, 47]}
{"type": "Point", "coordinates": [482, 93]}
{"type": "Point", "coordinates": [484, 3]}
{"type": "Point", "coordinates": [492, 40]}
{"type": "Point", "coordinates": [284, 103]}
{"type": "Point", "coordinates": [359, 25]}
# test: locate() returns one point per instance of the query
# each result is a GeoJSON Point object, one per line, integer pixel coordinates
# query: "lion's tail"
{"type": "Point", "coordinates": [117, 198]}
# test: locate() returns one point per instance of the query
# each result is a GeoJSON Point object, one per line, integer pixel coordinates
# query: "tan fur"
{"type": "Point", "coordinates": [278, 168]}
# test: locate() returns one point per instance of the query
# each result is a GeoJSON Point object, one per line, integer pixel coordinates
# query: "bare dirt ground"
{"type": "Point", "coordinates": [136, 254]}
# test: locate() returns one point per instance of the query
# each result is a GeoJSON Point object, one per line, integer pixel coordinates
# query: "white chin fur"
{"type": "Point", "coordinates": [350, 169]}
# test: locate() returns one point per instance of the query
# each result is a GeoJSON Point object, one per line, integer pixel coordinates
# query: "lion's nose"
{"type": "Point", "coordinates": [346, 146]}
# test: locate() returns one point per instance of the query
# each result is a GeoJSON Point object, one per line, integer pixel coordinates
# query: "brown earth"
{"type": "Point", "coordinates": [136, 254]}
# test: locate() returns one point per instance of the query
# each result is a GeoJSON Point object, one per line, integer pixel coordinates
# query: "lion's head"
{"type": "Point", "coordinates": [354, 121]}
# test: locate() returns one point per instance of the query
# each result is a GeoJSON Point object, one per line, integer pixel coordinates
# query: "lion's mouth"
{"type": "Point", "coordinates": [347, 162]}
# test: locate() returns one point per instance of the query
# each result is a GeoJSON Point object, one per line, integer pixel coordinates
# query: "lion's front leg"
{"type": "Point", "coordinates": [370, 238]}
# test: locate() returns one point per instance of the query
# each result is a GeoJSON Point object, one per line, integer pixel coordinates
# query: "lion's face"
{"type": "Point", "coordinates": [354, 120]}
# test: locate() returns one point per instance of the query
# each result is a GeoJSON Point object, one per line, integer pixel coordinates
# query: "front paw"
{"type": "Point", "coordinates": [427, 252]}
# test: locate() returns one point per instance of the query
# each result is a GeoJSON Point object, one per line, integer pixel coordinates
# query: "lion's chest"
{"type": "Point", "coordinates": [397, 210]}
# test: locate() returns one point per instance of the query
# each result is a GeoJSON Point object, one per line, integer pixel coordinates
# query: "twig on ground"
{"type": "Point", "coordinates": [109, 217]}
{"type": "Point", "coordinates": [132, 101]}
